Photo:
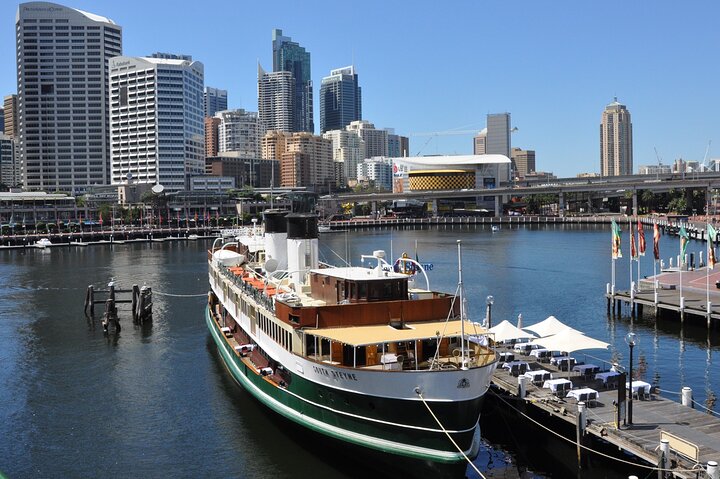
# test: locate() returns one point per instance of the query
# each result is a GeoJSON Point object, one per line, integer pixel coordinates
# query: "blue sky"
{"type": "Point", "coordinates": [429, 66]}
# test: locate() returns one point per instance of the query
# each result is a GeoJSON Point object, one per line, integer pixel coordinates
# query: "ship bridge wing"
{"type": "Point", "coordinates": [368, 335]}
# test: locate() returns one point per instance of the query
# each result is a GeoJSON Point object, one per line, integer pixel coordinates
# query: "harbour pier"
{"type": "Point", "coordinates": [669, 438]}
{"type": "Point", "coordinates": [661, 296]}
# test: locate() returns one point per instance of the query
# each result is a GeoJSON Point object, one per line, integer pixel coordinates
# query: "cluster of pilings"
{"type": "Point", "coordinates": [140, 301]}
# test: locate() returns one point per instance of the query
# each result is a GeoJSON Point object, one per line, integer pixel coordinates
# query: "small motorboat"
{"type": "Point", "coordinates": [495, 228]}
{"type": "Point", "coordinates": [43, 243]}
{"type": "Point", "coordinates": [192, 237]}
{"type": "Point", "coordinates": [324, 228]}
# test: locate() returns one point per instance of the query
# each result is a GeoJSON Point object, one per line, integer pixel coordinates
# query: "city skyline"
{"type": "Point", "coordinates": [419, 82]}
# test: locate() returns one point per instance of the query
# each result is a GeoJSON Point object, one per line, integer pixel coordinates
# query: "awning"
{"type": "Point", "coordinates": [367, 335]}
{"type": "Point", "coordinates": [505, 331]}
{"type": "Point", "coordinates": [569, 340]}
{"type": "Point", "coordinates": [548, 327]}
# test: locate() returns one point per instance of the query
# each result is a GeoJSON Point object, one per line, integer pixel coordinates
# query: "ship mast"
{"type": "Point", "coordinates": [462, 307]}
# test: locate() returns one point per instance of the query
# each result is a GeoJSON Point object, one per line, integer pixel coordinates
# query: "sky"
{"type": "Point", "coordinates": [441, 67]}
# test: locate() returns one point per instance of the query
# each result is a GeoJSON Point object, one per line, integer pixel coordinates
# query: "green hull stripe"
{"type": "Point", "coordinates": [323, 428]}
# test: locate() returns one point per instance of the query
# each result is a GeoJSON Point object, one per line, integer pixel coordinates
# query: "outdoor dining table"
{"type": "Point", "coordinates": [507, 356]}
{"type": "Point", "coordinates": [637, 386]}
{"type": "Point", "coordinates": [510, 364]}
{"type": "Point", "coordinates": [585, 369]}
{"type": "Point", "coordinates": [606, 375]}
{"type": "Point", "coordinates": [541, 353]}
{"type": "Point", "coordinates": [537, 376]}
{"type": "Point", "coordinates": [553, 384]}
{"type": "Point", "coordinates": [583, 394]}
{"type": "Point", "coordinates": [524, 347]}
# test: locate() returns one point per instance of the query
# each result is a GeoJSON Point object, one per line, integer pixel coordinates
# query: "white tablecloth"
{"type": "Point", "coordinates": [507, 356]}
{"type": "Point", "coordinates": [576, 393]}
{"type": "Point", "coordinates": [638, 385]}
{"type": "Point", "coordinates": [540, 353]}
{"type": "Point", "coordinates": [514, 363]}
{"type": "Point", "coordinates": [553, 384]}
{"type": "Point", "coordinates": [524, 346]}
{"type": "Point", "coordinates": [608, 374]}
{"type": "Point", "coordinates": [538, 375]}
{"type": "Point", "coordinates": [559, 359]}
{"type": "Point", "coordinates": [583, 368]}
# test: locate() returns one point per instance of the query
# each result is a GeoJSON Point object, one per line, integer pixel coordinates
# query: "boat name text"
{"type": "Point", "coordinates": [334, 374]}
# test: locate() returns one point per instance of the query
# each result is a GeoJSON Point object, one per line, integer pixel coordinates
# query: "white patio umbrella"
{"type": "Point", "coordinates": [505, 331]}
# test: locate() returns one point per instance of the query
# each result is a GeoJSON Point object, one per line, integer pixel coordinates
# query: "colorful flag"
{"type": "Point", "coordinates": [684, 240]}
{"type": "Point", "coordinates": [711, 236]}
{"type": "Point", "coordinates": [641, 239]}
{"type": "Point", "coordinates": [100, 220]}
{"type": "Point", "coordinates": [633, 249]}
{"type": "Point", "coordinates": [656, 242]}
{"type": "Point", "coordinates": [616, 233]}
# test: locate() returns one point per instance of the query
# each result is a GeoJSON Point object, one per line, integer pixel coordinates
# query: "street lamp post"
{"type": "Point", "coordinates": [631, 340]}
{"type": "Point", "coordinates": [488, 315]}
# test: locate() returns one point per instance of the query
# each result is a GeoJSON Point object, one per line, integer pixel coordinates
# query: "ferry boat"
{"type": "Point", "coordinates": [357, 354]}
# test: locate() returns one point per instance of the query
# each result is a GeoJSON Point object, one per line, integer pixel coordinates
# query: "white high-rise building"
{"type": "Point", "coordinates": [276, 97]}
{"type": "Point", "coordinates": [63, 112]}
{"type": "Point", "coordinates": [239, 131]}
{"type": "Point", "coordinates": [157, 113]}
{"type": "Point", "coordinates": [215, 100]}
{"type": "Point", "coordinates": [348, 149]}
{"type": "Point", "coordinates": [376, 141]}
{"type": "Point", "coordinates": [376, 170]}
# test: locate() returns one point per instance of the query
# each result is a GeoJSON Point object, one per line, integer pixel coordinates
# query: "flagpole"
{"type": "Point", "coordinates": [631, 255]}
{"type": "Point", "coordinates": [638, 253]}
{"type": "Point", "coordinates": [680, 263]}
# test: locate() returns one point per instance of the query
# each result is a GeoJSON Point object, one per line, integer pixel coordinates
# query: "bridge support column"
{"type": "Point", "coordinates": [374, 209]}
{"type": "Point", "coordinates": [635, 204]}
{"type": "Point", "coordinates": [561, 204]}
{"type": "Point", "coordinates": [434, 207]}
{"type": "Point", "coordinates": [498, 206]}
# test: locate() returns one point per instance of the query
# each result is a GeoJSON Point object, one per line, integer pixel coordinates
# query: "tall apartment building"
{"type": "Point", "coordinates": [62, 103]}
{"type": "Point", "coordinates": [340, 99]}
{"type": "Point", "coordinates": [9, 169]}
{"type": "Point", "coordinates": [616, 149]}
{"type": "Point", "coordinates": [157, 114]}
{"type": "Point", "coordinates": [212, 145]}
{"type": "Point", "coordinates": [349, 149]}
{"type": "Point", "coordinates": [306, 160]}
{"type": "Point", "coordinates": [215, 100]}
{"type": "Point", "coordinates": [239, 131]}
{"type": "Point", "coordinates": [523, 161]}
{"type": "Point", "coordinates": [376, 170]}
{"type": "Point", "coordinates": [289, 56]}
{"type": "Point", "coordinates": [2, 120]}
{"type": "Point", "coordinates": [10, 126]}
{"type": "Point", "coordinates": [276, 97]}
{"type": "Point", "coordinates": [397, 145]}
{"type": "Point", "coordinates": [376, 141]}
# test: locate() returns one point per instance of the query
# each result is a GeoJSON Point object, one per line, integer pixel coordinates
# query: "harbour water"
{"type": "Point", "coordinates": [155, 401]}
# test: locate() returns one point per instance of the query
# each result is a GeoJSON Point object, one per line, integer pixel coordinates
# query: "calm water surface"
{"type": "Point", "coordinates": [155, 400]}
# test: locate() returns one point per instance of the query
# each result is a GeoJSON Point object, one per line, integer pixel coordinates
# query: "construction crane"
{"type": "Point", "coordinates": [705, 158]}
{"type": "Point", "coordinates": [433, 134]}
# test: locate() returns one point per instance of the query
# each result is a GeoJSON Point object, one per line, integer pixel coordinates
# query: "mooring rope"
{"type": "Point", "coordinates": [607, 456]}
{"type": "Point", "coordinates": [668, 391]}
{"type": "Point", "coordinates": [179, 295]}
{"type": "Point", "coordinates": [419, 393]}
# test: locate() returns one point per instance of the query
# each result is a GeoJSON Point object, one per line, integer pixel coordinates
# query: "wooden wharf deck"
{"type": "Point", "coordinates": [642, 438]}
{"type": "Point", "coordinates": [694, 292]}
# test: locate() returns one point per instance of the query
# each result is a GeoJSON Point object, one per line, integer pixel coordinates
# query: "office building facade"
{"type": "Point", "coordinates": [349, 150]}
{"type": "Point", "coordinates": [157, 115]}
{"type": "Point", "coordinates": [276, 97]}
{"type": "Point", "coordinates": [376, 141]}
{"type": "Point", "coordinates": [306, 160]}
{"type": "Point", "coordinates": [247, 172]}
{"type": "Point", "coordinates": [340, 99]}
{"type": "Point", "coordinates": [523, 161]}
{"type": "Point", "coordinates": [239, 131]}
{"type": "Point", "coordinates": [215, 100]}
{"type": "Point", "coordinates": [62, 102]}
{"type": "Point", "coordinates": [289, 56]}
{"type": "Point", "coordinates": [480, 142]}
{"type": "Point", "coordinates": [9, 168]}
{"type": "Point", "coordinates": [616, 148]}
{"type": "Point", "coordinates": [212, 145]}
{"type": "Point", "coordinates": [376, 171]}
{"type": "Point", "coordinates": [397, 145]}
{"type": "Point", "coordinates": [10, 124]}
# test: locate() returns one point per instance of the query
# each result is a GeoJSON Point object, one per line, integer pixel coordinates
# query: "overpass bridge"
{"type": "Point", "coordinates": [593, 187]}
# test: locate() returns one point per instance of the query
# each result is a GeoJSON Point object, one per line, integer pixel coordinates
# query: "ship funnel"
{"type": "Point", "coordinates": [276, 237]}
{"type": "Point", "coordinates": [302, 246]}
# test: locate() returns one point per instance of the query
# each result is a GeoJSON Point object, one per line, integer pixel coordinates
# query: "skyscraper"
{"type": "Point", "coordinates": [348, 149]}
{"type": "Point", "coordinates": [276, 96]}
{"type": "Point", "coordinates": [239, 131]}
{"type": "Point", "coordinates": [10, 114]}
{"type": "Point", "coordinates": [215, 100]}
{"type": "Point", "coordinates": [289, 56]}
{"type": "Point", "coordinates": [523, 161]}
{"type": "Point", "coordinates": [376, 141]}
{"type": "Point", "coordinates": [157, 120]}
{"type": "Point", "coordinates": [497, 141]}
{"type": "Point", "coordinates": [305, 159]}
{"type": "Point", "coordinates": [616, 150]}
{"type": "Point", "coordinates": [480, 142]}
{"type": "Point", "coordinates": [212, 145]}
{"type": "Point", "coordinates": [340, 99]}
{"type": "Point", "coordinates": [9, 171]}
{"type": "Point", "coordinates": [63, 108]}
